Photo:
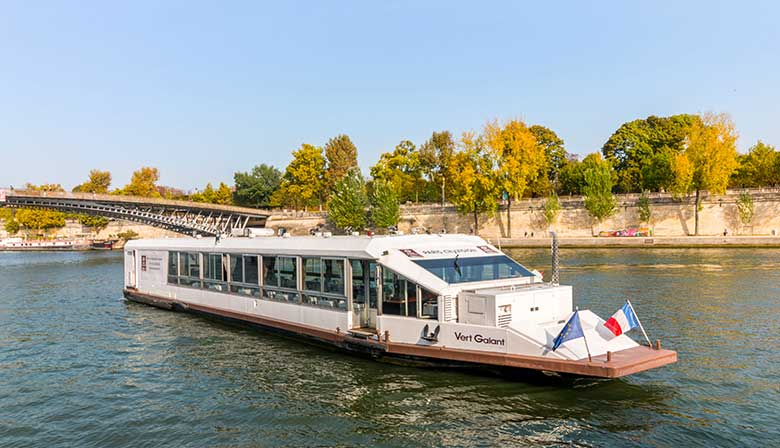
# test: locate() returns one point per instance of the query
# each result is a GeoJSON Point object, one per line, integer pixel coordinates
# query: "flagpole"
{"type": "Point", "coordinates": [640, 323]}
{"type": "Point", "coordinates": [577, 310]}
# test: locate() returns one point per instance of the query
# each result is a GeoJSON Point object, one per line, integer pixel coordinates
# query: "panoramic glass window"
{"type": "Point", "coordinates": [393, 293]}
{"type": "Point", "coordinates": [286, 272]}
{"type": "Point", "coordinates": [358, 281]}
{"type": "Point", "coordinates": [430, 305]}
{"type": "Point", "coordinates": [312, 280]}
{"type": "Point", "coordinates": [250, 269]}
{"type": "Point", "coordinates": [173, 267]}
{"type": "Point", "coordinates": [236, 269]}
{"type": "Point", "coordinates": [193, 264]}
{"type": "Point", "coordinates": [474, 269]}
{"type": "Point", "coordinates": [333, 276]}
{"type": "Point", "coordinates": [269, 271]}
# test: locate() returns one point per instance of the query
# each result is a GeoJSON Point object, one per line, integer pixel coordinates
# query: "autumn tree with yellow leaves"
{"type": "Point", "coordinates": [517, 159]}
{"type": "Point", "coordinates": [709, 159]}
{"type": "Point", "coordinates": [473, 186]}
{"type": "Point", "coordinates": [303, 182]}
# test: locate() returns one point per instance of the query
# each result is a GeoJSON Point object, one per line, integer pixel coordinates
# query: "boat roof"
{"type": "Point", "coordinates": [364, 247]}
{"type": "Point", "coordinates": [399, 252]}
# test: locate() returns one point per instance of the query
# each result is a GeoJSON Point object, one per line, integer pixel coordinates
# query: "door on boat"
{"type": "Point", "coordinates": [131, 270]}
{"type": "Point", "coordinates": [364, 294]}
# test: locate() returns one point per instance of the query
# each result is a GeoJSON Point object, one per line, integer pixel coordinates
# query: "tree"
{"type": "Point", "coordinates": [385, 208]}
{"type": "Point", "coordinates": [517, 159]}
{"type": "Point", "coordinates": [347, 205]}
{"type": "Point", "coordinates": [635, 144]}
{"type": "Point", "coordinates": [599, 200]}
{"type": "Point", "coordinates": [44, 187]}
{"type": "Point", "coordinates": [143, 183]}
{"type": "Point", "coordinates": [39, 219]}
{"type": "Point", "coordinates": [255, 189]}
{"type": "Point", "coordinates": [555, 155]}
{"type": "Point", "coordinates": [643, 205]}
{"type": "Point", "coordinates": [474, 187]}
{"type": "Point", "coordinates": [223, 195]}
{"type": "Point", "coordinates": [757, 168]}
{"type": "Point", "coordinates": [341, 156]}
{"type": "Point", "coordinates": [435, 156]}
{"type": "Point", "coordinates": [712, 151]}
{"type": "Point", "coordinates": [552, 208]}
{"type": "Point", "coordinates": [208, 195]}
{"type": "Point", "coordinates": [96, 222]}
{"type": "Point", "coordinates": [746, 208]}
{"type": "Point", "coordinates": [98, 182]}
{"type": "Point", "coordinates": [12, 226]}
{"type": "Point", "coordinates": [303, 182]}
{"type": "Point", "coordinates": [401, 168]}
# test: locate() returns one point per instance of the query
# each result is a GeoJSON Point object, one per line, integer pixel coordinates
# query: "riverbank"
{"type": "Point", "coordinates": [642, 242]}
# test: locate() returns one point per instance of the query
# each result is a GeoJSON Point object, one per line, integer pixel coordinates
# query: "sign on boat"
{"type": "Point", "coordinates": [446, 300]}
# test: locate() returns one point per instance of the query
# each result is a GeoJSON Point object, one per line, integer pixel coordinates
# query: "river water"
{"type": "Point", "coordinates": [80, 366]}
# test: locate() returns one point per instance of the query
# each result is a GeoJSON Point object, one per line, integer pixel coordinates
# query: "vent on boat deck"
{"type": "Point", "coordinates": [504, 320]}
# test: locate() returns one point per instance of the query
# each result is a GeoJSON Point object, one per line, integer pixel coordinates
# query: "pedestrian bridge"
{"type": "Point", "coordinates": [186, 217]}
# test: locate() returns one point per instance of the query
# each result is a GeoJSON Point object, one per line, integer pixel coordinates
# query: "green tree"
{"type": "Point", "coordinates": [599, 200]}
{"type": "Point", "coordinates": [385, 208]}
{"type": "Point", "coordinates": [517, 159]}
{"type": "Point", "coordinates": [143, 183]}
{"type": "Point", "coordinates": [643, 205]}
{"type": "Point", "coordinates": [712, 152]}
{"type": "Point", "coordinates": [341, 156]}
{"type": "Point", "coordinates": [746, 208]}
{"type": "Point", "coordinates": [401, 168]}
{"type": "Point", "coordinates": [473, 188]}
{"type": "Point", "coordinates": [635, 144]}
{"type": "Point", "coordinates": [303, 182]}
{"type": "Point", "coordinates": [98, 182]}
{"type": "Point", "coordinates": [255, 189]}
{"type": "Point", "coordinates": [12, 226]}
{"type": "Point", "coordinates": [556, 158]}
{"type": "Point", "coordinates": [96, 222]}
{"type": "Point", "coordinates": [435, 156]}
{"type": "Point", "coordinates": [757, 168]}
{"type": "Point", "coordinates": [347, 206]}
{"type": "Point", "coordinates": [552, 208]}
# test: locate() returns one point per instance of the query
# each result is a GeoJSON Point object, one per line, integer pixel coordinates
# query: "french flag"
{"type": "Point", "coordinates": [622, 321]}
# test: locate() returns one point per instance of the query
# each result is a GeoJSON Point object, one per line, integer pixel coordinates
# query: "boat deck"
{"type": "Point", "coordinates": [622, 363]}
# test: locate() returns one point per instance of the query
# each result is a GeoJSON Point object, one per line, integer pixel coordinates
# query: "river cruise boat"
{"type": "Point", "coordinates": [21, 245]}
{"type": "Point", "coordinates": [446, 300]}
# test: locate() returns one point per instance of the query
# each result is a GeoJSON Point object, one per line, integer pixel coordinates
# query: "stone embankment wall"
{"type": "Point", "coordinates": [670, 217]}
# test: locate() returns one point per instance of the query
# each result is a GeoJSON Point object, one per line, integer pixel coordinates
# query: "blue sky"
{"type": "Point", "coordinates": [203, 89]}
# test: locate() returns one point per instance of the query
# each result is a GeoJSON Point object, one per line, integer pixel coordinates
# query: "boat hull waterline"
{"type": "Point", "coordinates": [619, 364]}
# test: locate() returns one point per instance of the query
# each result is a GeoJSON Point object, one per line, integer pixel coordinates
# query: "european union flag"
{"type": "Point", "coordinates": [572, 330]}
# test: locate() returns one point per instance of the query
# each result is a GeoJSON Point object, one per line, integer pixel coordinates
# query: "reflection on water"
{"type": "Point", "coordinates": [79, 366]}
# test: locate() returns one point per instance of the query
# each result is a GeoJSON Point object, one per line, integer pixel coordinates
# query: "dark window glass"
{"type": "Point", "coordinates": [250, 269]}
{"type": "Point", "coordinates": [236, 269]}
{"type": "Point", "coordinates": [333, 276]}
{"type": "Point", "coordinates": [269, 271]}
{"type": "Point", "coordinates": [372, 285]}
{"type": "Point", "coordinates": [193, 261]}
{"type": "Point", "coordinates": [358, 281]}
{"type": "Point", "coordinates": [287, 274]}
{"type": "Point", "coordinates": [393, 293]}
{"type": "Point", "coordinates": [411, 299]}
{"type": "Point", "coordinates": [474, 269]}
{"type": "Point", "coordinates": [312, 274]}
{"type": "Point", "coordinates": [430, 304]}
{"type": "Point", "coordinates": [173, 267]}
